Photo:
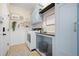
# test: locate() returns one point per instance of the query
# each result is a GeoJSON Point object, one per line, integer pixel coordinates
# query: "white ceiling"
{"type": "Point", "coordinates": [28, 6]}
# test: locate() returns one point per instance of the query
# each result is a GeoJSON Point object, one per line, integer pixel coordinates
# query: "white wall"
{"type": "Point", "coordinates": [5, 38]}
{"type": "Point", "coordinates": [14, 9]}
{"type": "Point", "coordinates": [6, 25]}
{"type": "Point", "coordinates": [1, 41]}
{"type": "Point", "coordinates": [18, 36]}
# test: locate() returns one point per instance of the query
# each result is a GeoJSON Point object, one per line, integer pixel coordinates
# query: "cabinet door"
{"type": "Point", "coordinates": [66, 36]}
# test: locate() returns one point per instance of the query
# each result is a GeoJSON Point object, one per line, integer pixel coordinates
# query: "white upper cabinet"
{"type": "Point", "coordinates": [36, 17]}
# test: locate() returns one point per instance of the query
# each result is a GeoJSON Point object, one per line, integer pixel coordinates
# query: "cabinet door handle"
{"type": "Point", "coordinates": [75, 26]}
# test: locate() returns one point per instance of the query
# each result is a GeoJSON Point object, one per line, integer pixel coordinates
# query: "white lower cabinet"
{"type": "Point", "coordinates": [31, 40]}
